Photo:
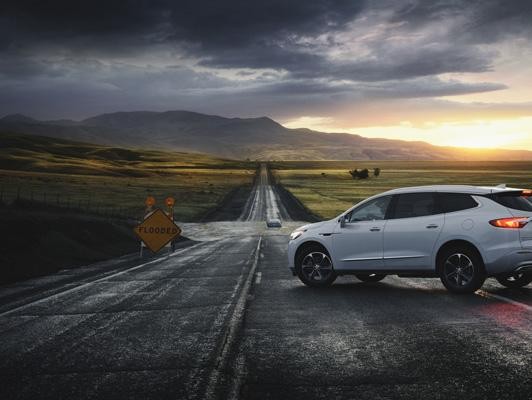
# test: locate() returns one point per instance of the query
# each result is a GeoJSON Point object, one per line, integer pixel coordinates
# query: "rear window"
{"type": "Point", "coordinates": [513, 200]}
{"type": "Point", "coordinates": [451, 202]}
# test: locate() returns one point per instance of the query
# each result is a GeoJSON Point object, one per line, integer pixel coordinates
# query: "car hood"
{"type": "Point", "coordinates": [321, 226]}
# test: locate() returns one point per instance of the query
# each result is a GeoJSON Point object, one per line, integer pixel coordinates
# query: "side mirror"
{"type": "Point", "coordinates": [343, 219]}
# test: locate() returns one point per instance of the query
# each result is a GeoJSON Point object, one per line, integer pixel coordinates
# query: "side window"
{"type": "Point", "coordinates": [451, 202]}
{"type": "Point", "coordinates": [411, 205]}
{"type": "Point", "coordinates": [372, 210]}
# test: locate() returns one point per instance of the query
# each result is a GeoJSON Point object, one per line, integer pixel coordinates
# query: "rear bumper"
{"type": "Point", "coordinates": [515, 261]}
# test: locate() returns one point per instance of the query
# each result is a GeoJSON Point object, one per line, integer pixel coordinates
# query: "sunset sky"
{"type": "Point", "coordinates": [447, 72]}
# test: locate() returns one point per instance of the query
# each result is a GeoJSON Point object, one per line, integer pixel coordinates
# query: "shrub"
{"type": "Point", "coordinates": [362, 174]}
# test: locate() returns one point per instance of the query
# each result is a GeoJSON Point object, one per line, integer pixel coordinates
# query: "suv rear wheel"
{"type": "Point", "coordinates": [516, 280]}
{"type": "Point", "coordinates": [461, 269]}
{"type": "Point", "coordinates": [314, 267]}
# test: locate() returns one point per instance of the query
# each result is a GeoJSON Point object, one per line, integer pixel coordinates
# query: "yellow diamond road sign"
{"type": "Point", "coordinates": [157, 230]}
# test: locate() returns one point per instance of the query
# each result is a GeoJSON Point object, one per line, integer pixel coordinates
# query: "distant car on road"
{"type": "Point", "coordinates": [273, 223]}
{"type": "Point", "coordinates": [462, 234]}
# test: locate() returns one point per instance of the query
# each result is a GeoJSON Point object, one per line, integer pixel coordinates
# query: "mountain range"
{"type": "Point", "coordinates": [239, 138]}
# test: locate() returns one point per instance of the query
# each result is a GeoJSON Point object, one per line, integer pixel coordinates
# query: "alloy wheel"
{"type": "Point", "coordinates": [316, 266]}
{"type": "Point", "coordinates": [459, 269]}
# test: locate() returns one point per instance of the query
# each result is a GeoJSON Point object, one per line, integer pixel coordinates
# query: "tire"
{"type": "Point", "coordinates": [314, 267]}
{"type": "Point", "coordinates": [461, 269]}
{"type": "Point", "coordinates": [516, 280]}
{"type": "Point", "coordinates": [370, 277]}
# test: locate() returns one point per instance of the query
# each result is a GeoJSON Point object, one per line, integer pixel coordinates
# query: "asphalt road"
{"type": "Point", "coordinates": [224, 318]}
{"type": "Point", "coordinates": [264, 203]}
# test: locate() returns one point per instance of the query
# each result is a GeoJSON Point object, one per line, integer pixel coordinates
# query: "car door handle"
{"type": "Point", "coordinates": [432, 226]}
{"type": "Point", "coordinates": [375, 229]}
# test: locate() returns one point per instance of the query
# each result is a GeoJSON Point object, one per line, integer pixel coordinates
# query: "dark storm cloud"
{"type": "Point", "coordinates": [412, 88]}
{"type": "Point", "coordinates": [486, 20]}
{"type": "Point", "coordinates": [403, 63]}
{"type": "Point", "coordinates": [177, 53]}
{"type": "Point", "coordinates": [207, 23]}
{"type": "Point", "coordinates": [31, 21]}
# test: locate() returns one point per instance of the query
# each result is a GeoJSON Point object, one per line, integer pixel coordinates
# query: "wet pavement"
{"type": "Point", "coordinates": [224, 318]}
{"type": "Point", "coordinates": [399, 338]}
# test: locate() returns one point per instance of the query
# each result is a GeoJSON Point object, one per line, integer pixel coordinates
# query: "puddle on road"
{"type": "Point", "coordinates": [223, 229]}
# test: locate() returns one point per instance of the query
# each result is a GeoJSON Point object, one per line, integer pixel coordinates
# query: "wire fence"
{"type": "Point", "coordinates": [46, 201]}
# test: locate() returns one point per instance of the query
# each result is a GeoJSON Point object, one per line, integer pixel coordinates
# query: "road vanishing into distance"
{"type": "Point", "coordinates": [224, 319]}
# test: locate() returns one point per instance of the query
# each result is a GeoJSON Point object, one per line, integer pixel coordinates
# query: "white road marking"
{"type": "Point", "coordinates": [263, 200]}
{"type": "Point", "coordinates": [488, 295]}
{"type": "Point", "coordinates": [258, 278]}
{"type": "Point", "coordinates": [84, 285]}
{"type": "Point", "coordinates": [232, 330]}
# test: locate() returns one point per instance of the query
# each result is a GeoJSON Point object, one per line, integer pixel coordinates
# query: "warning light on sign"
{"type": "Point", "coordinates": [170, 201]}
{"type": "Point", "coordinates": [150, 201]}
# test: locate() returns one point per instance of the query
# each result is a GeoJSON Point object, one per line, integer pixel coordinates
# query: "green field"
{"type": "Point", "coordinates": [326, 188]}
{"type": "Point", "coordinates": [113, 180]}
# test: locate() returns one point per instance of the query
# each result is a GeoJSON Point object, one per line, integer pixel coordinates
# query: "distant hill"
{"type": "Point", "coordinates": [35, 153]}
{"type": "Point", "coordinates": [239, 138]}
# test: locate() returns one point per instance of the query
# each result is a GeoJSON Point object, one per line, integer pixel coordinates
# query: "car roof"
{"type": "Point", "coordinates": [480, 190]}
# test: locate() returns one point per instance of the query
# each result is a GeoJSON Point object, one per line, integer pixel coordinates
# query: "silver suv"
{"type": "Point", "coordinates": [462, 234]}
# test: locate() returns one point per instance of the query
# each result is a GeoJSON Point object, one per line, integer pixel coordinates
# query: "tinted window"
{"type": "Point", "coordinates": [372, 210]}
{"type": "Point", "coordinates": [411, 205]}
{"type": "Point", "coordinates": [513, 200]}
{"type": "Point", "coordinates": [451, 202]}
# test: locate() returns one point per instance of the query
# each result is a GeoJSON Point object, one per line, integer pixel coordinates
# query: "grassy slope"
{"type": "Point", "coordinates": [330, 194]}
{"type": "Point", "coordinates": [44, 238]}
{"type": "Point", "coordinates": [105, 177]}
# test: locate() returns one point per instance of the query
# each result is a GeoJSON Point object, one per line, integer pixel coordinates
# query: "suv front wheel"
{"type": "Point", "coordinates": [314, 267]}
{"type": "Point", "coordinates": [461, 269]}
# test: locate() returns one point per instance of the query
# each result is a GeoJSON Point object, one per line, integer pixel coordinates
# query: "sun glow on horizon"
{"type": "Point", "coordinates": [513, 134]}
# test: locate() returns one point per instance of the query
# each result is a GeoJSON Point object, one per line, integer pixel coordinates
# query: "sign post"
{"type": "Point", "coordinates": [170, 201]}
{"type": "Point", "coordinates": [158, 228]}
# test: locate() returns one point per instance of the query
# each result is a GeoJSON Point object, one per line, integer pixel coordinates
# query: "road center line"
{"type": "Point", "coordinates": [232, 330]}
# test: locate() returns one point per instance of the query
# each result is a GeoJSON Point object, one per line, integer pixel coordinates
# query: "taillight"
{"type": "Point", "coordinates": [510, 223]}
{"type": "Point", "coordinates": [526, 193]}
